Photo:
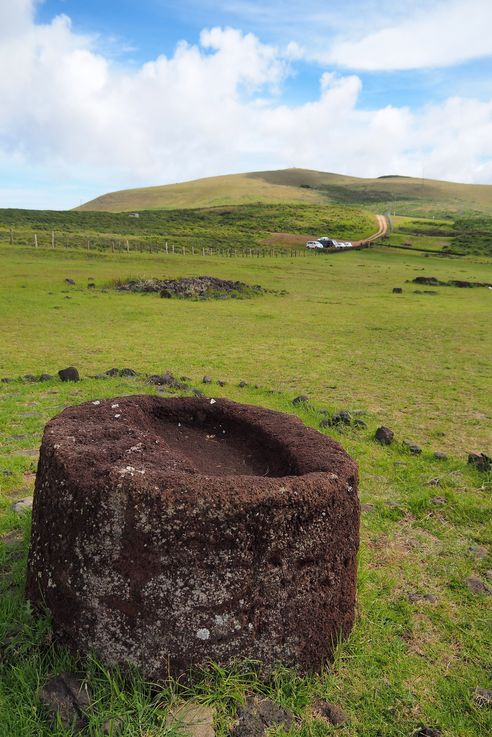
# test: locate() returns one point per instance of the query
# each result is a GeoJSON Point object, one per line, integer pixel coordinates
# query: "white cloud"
{"type": "Point", "coordinates": [72, 116]}
{"type": "Point", "coordinates": [451, 32]}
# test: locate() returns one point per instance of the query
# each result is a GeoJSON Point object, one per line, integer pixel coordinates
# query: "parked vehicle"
{"type": "Point", "coordinates": [332, 243]}
{"type": "Point", "coordinates": [314, 244]}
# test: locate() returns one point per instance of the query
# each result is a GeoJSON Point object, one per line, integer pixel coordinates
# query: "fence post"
{"type": "Point", "coordinates": [11, 237]}
{"type": "Point", "coordinates": [128, 246]}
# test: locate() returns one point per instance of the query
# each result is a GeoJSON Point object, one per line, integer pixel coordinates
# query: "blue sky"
{"type": "Point", "coordinates": [107, 95]}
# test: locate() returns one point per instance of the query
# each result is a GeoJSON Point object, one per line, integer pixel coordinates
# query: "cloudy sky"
{"type": "Point", "coordinates": [102, 95]}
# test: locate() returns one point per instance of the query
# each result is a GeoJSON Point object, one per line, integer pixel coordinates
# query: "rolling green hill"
{"type": "Point", "coordinates": [405, 195]}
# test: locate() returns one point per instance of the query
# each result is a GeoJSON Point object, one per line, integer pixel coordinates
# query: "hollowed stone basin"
{"type": "Point", "coordinates": [171, 532]}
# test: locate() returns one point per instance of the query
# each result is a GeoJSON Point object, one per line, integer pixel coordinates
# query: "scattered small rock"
{"type": "Point", "coordinates": [65, 696]}
{"type": "Point", "coordinates": [100, 376]}
{"type": "Point", "coordinates": [483, 696]}
{"type": "Point", "coordinates": [206, 380]}
{"type": "Point", "coordinates": [242, 384]}
{"type": "Point", "coordinates": [22, 505]}
{"type": "Point", "coordinates": [416, 597]}
{"type": "Point", "coordinates": [397, 290]}
{"type": "Point", "coordinates": [325, 423]}
{"type": "Point", "coordinates": [69, 281]}
{"type": "Point", "coordinates": [29, 377]}
{"type": "Point", "coordinates": [69, 374]}
{"type": "Point", "coordinates": [478, 550]}
{"type": "Point", "coordinates": [7, 472]}
{"type": "Point", "coordinates": [366, 507]}
{"type": "Point", "coordinates": [412, 447]}
{"type": "Point", "coordinates": [341, 418]}
{"type": "Point", "coordinates": [91, 285]}
{"type": "Point", "coordinates": [45, 377]}
{"type": "Point", "coordinates": [11, 538]}
{"type": "Point", "coordinates": [127, 372]}
{"type": "Point", "coordinates": [360, 424]}
{"type": "Point", "coordinates": [112, 372]}
{"type": "Point", "coordinates": [191, 720]}
{"type": "Point", "coordinates": [384, 435]}
{"type": "Point", "coordinates": [434, 482]}
{"type": "Point", "coordinates": [477, 586]}
{"type": "Point", "coordinates": [197, 393]}
{"type": "Point", "coordinates": [440, 456]}
{"type": "Point", "coordinates": [329, 713]}
{"type": "Point", "coordinates": [220, 382]}
{"type": "Point", "coordinates": [481, 461]}
{"type": "Point", "coordinates": [439, 500]}
{"type": "Point", "coordinates": [258, 715]}
{"type": "Point", "coordinates": [6, 380]}
{"type": "Point", "coordinates": [301, 399]}
{"type": "Point", "coordinates": [112, 727]}
{"type": "Point", "coordinates": [427, 732]}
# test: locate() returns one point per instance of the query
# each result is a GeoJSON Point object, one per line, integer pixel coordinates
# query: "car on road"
{"type": "Point", "coordinates": [314, 244]}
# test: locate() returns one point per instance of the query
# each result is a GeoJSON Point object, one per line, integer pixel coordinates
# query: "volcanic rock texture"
{"type": "Point", "coordinates": [170, 532]}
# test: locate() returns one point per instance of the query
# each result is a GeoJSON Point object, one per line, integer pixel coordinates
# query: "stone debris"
{"type": "Point", "coordinates": [427, 732]}
{"type": "Point", "coordinates": [329, 713]}
{"type": "Point", "coordinates": [440, 456]}
{"type": "Point", "coordinates": [69, 374]}
{"type": "Point", "coordinates": [416, 597]}
{"type": "Point", "coordinates": [480, 551]}
{"type": "Point", "coordinates": [481, 461]}
{"type": "Point", "coordinates": [397, 290]}
{"type": "Point", "coordinates": [483, 697]}
{"type": "Point", "coordinates": [23, 505]}
{"type": "Point", "coordinates": [66, 697]}
{"type": "Point", "coordinates": [412, 447]}
{"type": "Point", "coordinates": [384, 435]}
{"type": "Point", "coordinates": [206, 380]}
{"type": "Point", "coordinates": [301, 399]}
{"type": "Point", "coordinates": [477, 586]}
{"type": "Point", "coordinates": [259, 715]}
{"type": "Point", "coordinates": [196, 287]}
{"type": "Point", "coordinates": [191, 720]}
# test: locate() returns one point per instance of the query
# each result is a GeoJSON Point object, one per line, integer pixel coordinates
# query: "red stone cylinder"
{"type": "Point", "coordinates": [171, 532]}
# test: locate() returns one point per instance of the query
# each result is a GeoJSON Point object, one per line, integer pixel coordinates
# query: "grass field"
{"type": "Point", "coordinates": [463, 234]}
{"type": "Point", "coordinates": [407, 195]}
{"type": "Point", "coordinates": [242, 227]}
{"type": "Point", "coordinates": [419, 364]}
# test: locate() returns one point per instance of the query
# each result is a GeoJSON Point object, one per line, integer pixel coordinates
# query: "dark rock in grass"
{"type": "Point", "coordinates": [6, 380]}
{"type": "Point", "coordinates": [397, 290]}
{"type": "Point", "coordinates": [91, 285]}
{"type": "Point", "coordinates": [384, 435]}
{"type": "Point", "coordinates": [329, 713]}
{"type": "Point", "coordinates": [427, 732]}
{"type": "Point", "coordinates": [207, 379]}
{"type": "Point", "coordinates": [341, 418]}
{"type": "Point", "coordinates": [69, 374]}
{"type": "Point", "coordinates": [325, 423]}
{"type": "Point", "coordinates": [7, 472]}
{"type": "Point", "coordinates": [367, 507]}
{"type": "Point", "coordinates": [258, 716]}
{"type": "Point", "coordinates": [324, 411]}
{"type": "Point", "coordinates": [69, 281]}
{"type": "Point", "coordinates": [480, 551]}
{"type": "Point", "coordinates": [481, 461]}
{"type": "Point", "coordinates": [242, 384]}
{"type": "Point", "coordinates": [412, 447]}
{"type": "Point", "coordinates": [477, 586]}
{"type": "Point", "coordinates": [439, 500]}
{"type": "Point", "coordinates": [417, 597]}
{"type": "Point", "coordinates": [23, 505]}
{"type": "Point", "coordinates": [30, 377]}
{"type": "Point", "coordinates": [483, 696]}
{"type": "Point", "coordinates": [128, 372]}
{"type": "Point", "coordinates": [45, 377]}
{"type": "Point", "coordinates": [424, 291]}
{"type": "Point", "coordinates": [112, 727]}
{"type": "Point", "coordinates": [155, 379]}
{"type": "Point", "coordinates": [220, 382]}
{"type": "Point", "coordinates": [428, 280]}
{"type": "Point", "coordinates": [112, 372]}
{"type": "Point", "coordinates": [360, 424]}
{"type": "Point", "coordinates": [301, 399]}
{"type": "Point", "coordinates": [66, 698]}
{"type": "Point", "coordinates": [101, 376]}
{"type": "Point", "coordinates": [440, 456]}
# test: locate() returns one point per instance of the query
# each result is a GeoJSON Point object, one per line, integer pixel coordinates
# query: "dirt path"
{"type": "Point", "coordinates": [383, 228]}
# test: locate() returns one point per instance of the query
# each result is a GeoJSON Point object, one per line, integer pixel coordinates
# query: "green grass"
{"type": "Point", "coordinates": [242, 227]}
{"type": "Point", "coordinates": [419, 364]}
{"type": "Point", "coordinates": [459, 235]}
{"type": "Point", "coordinates": [408, 195]}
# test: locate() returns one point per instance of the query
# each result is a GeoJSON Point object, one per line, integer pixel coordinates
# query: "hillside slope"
{"type": "Point", "coordinates": [405, 195]}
